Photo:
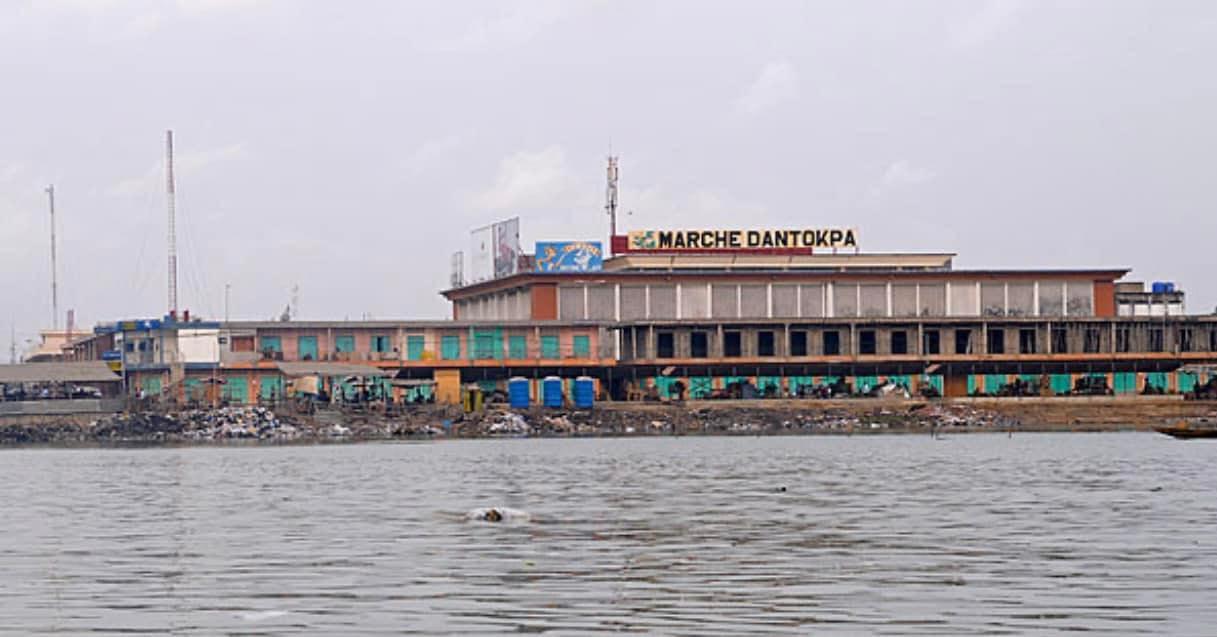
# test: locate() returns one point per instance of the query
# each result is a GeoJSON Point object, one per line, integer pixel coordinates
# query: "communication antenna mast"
{"type": "Point", "coordinates": [296, 301]}
{"type": "Point", "coordinates": [12, 344]}
{"type": "Point", "coordinates": [610, 196]}
{"type": "Point", "coordinates": [50, 193]}
{"type": "Point", "coordinates": [170, 192]}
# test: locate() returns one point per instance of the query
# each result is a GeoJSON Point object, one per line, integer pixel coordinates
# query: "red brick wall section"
{"type": "Point", "coordinates": [545, 302]}
{"type": "Point", "coordinates": [1104, 298]}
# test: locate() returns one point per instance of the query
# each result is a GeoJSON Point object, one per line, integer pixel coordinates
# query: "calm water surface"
{"type": "Point", "coordinates": [976, 534]}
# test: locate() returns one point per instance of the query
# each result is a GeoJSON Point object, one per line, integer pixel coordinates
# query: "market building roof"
{"type": "Point", "coordinates": [73, 372]}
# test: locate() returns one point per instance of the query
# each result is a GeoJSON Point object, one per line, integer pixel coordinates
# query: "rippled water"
{"type": "Point", "coordinates": [975, 534]}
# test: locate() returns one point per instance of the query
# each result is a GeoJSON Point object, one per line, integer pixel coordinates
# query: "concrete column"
{"type": "Point", "coordinates": [948, 300]}
{"type": "Point", "coordinates": [888, 285]}
{"type": "Point", "coordinates": [646, 293]}
{"type": "Point", "coordinates": [679, 310]}
{"type": "Point", "coordinates": [586, 313]}
{"type": "Point", "coordinates": [616, 301]}
{"type": "Point", "coordinates": [709, 301]}
{"type": "Point", "coordinates": [769, 300]}
{"type": "Point", "coordinates": [830, 309]}
{"type": "Point", "coordinates": [1035, 298]}
{"type": "Point", "coordinates": [798, 300]}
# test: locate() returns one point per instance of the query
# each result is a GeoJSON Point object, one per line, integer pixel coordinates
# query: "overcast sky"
{"type": "Point", "coordinates": [349, 147]}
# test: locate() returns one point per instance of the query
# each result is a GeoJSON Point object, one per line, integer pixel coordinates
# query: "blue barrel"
{"type": "Point", "coordinates": [517, 393]}
{"type": "Point", "coordinates": [551, 391]}
{"type": "Point", "coordinates": [1158, 287]}
{"type": "Point", "coordinates": [585, 392]}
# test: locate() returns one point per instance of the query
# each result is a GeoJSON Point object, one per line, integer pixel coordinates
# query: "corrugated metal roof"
{"type": "Point", "coordinates": [318, 368]}
{"type": "Point", "coordinates": [76, 372]}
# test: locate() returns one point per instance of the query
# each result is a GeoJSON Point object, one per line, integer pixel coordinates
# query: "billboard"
{"type": "Point", "coordinates": [569, 256]}
{"type": "Point", "coordinates": [506, 247]}
{"type": "Point", "coordinates": [481, 254]}
{"type": "Point", "coordinates": [729, 240]}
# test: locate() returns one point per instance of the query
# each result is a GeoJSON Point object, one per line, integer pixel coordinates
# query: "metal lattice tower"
{"type": "Point", "coordinates": [50, 193]}
{"type": "Point", "coordinates": [172, 227]}
{"type": "Point", "coordinates": [610, 196]}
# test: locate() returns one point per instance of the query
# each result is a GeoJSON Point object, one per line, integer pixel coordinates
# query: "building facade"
{"type": "Point", "coordinates": [649, 318]}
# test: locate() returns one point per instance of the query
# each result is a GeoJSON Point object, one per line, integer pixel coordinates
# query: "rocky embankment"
{"type": "Point", "coordinates": [769, 417]}
{"type": "Point", "coordinates": [257, 423]}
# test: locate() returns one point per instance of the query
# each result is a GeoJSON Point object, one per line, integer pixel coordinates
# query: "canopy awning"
{"type": "Point", "coordinates": [321, 368]}
{"type": "Point", "coordinates": [74, 372]}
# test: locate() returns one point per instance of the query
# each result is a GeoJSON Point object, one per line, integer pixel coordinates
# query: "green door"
{"type": "Point", "coordinates": [236, 390]}
{"type": "Point", "coordinates": [1157, 380]}
{"type": "Point", "coordinates": [517, 347]}
{"type": "Point", "coordinates": [1061, 384]}
{"type": "Point", "coordinates": [700, 387]}
{"type": "Point", "coordinates": [270, 388]}
{"type": "Point", "coordinates": [487, 345]}
{"type": "Point", "coordinates": [993, 383]}
{"type": "Point", "coordinates": [865, 383]}
{"type": "Point", "coordinates": [450, 348]}
{"type": "Point", "coordinates": [1124, 383]}
{"type": "Point", "coordinates": [664, 385]}
{"type": "Point", "coordinates": [935, 381]}
{"type": "Point", "coordinates": [414, 348]}
{"type": "Point", "coordinates": [549, 347]}
{"type": "Point", "coordinates": [344, 343]}
{"type": "Point", "coordinates": [1187, 382]}
{"type": "Point", "coordinates": [192, 389]}
{"type": "Point", "coordinates": [151, 385]}
{"type": "Point", "coordinates": [581, 344]}
{"type": "Point", "coordinates": [769, 385]}
{"type": "Point", "coordinates": [270, 344]}
{"type": "Point", "coordinates": [307, 346]}
{"type": "Point", "coordinates": [795, 382]}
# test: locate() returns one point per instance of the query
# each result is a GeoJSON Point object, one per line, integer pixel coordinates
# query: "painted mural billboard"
{"type": "Point", "coordinates": [569, 256]}
{"type": "Point", "coordinates": [507, 247]}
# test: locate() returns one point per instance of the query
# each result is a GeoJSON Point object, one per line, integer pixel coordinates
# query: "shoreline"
{"type": "Point", "coordinates": [257, 426]}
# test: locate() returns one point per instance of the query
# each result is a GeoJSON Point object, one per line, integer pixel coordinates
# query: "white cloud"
{"type": "Point", "coordinates": [186, 163]}
{"type": "Point", "coordinates": [657, 206]}
{"type": "Point", "coordinates": [902, 172]}
{"type": "Point", "coordinates": [529, 179]}
{"type": "Point", "coordinates": [519, 24]}
{"type": "Point", "coordinates": [433, 151]}
{"type": "Point", "coordinates": [777, 83]}
{"type": "Point", "coordinates": [196, 7]}
{"type": "Point", "coordinates": [983, 25]}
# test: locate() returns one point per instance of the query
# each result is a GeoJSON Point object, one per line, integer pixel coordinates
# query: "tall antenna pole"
{"type": "Point", "coordinates": [171, 194]}
{"type": "Point", "coordinates": [12, 344]}
{"type": "Point", "coordinates": [50, 193]}
{"type": "Point", "coordinates": [610, 196]}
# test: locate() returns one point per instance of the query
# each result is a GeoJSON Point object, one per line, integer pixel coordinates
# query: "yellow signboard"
{"type": "Point", "coordinates": [790, 239]}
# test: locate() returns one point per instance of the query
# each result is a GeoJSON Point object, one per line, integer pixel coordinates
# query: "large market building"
{"type": "Point", "coordinates": [778, 309]}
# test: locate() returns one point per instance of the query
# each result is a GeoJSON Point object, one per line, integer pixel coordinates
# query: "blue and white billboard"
{"type": "Point", "coordinates": [569, 256]}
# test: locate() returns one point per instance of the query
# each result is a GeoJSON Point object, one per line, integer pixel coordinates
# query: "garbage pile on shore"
{"type": "Point", "coordinates": [749, 418]}
{"type": "Point", "coordinates": [736, 419]}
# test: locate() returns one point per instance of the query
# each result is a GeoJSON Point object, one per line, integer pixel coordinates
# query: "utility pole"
{"type": "Point", "coordinates": [172, 226]}
{"type": "Point", "coordinates": [227, 289]}
{"type": "Point", "coordinates": [610, 197]}
{"type": "Point", "coordinates": [50, 193]}
{"type": "Point", "coordinates": [12, 344]}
